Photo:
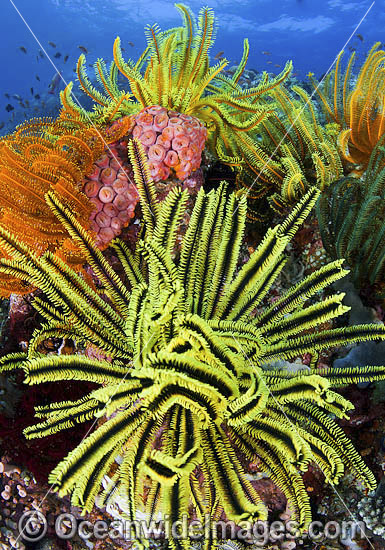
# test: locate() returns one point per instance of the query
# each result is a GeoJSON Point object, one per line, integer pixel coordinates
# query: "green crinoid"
{"type": "Point", "coordinates": [186, 389]}
{"type": "Point", "coordinates": [303, 148]}
{"type": "Point", "coordinates": [351, 220]}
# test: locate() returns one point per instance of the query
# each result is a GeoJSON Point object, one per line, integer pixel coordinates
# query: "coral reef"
{"type": "Point", "coordinates": [21, 493]}
{"type": "Point", "coordinates": [200, 378]}
{"type": "Point", "coordinates": [40, 155]}
{"type": "Point", "coordinates": [372, 511]}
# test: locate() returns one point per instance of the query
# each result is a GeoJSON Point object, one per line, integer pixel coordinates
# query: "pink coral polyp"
{"type": "Point", "coordinates": [186, 154]}
{"type": "Point", "coordinates": [155, 110]}
{"type": "Point", "coordinates": [148, 137]}
{"type": "Point", "coordinates": [145, 119]}
{"type": "Point", "coordinates": [156, 152]}
{"type": "Point", "coordinates": [173, 141]}
{"type": "Point", "coordinates": [179, 142]}
{"type": "Point", "coordinates": [171, 159]}
{"type": "Point", "coordinates": [108, 176]}
{"type": "Point", "coordinates": [160, 121]}
{"type": "Point", "coordinates": [137, 132]}
{"type": "Point", "coordinates": [92, 188]}
{"type": "Point", "coordinates": [120, 186]}
{"type": "Point", "coordinates": [165, 143]}
{"type": "Point", "coordinates": [106, 194]}
{"type": "Point", "coordinates": [103, 162]}
{"type": "Point", "coordinates": [168, 133]}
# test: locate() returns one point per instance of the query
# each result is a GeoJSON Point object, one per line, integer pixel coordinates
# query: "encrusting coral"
{"type": "Point", "coordinates": [372, 510]}
{"type": "Point", "coordinates": [185, 384]}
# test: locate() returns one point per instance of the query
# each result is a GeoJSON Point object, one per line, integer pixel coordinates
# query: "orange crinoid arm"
{"type": "Point", "coordinates": [366, 107]}
{"type": "Point", "coordinates": [45, 154]}
{"type": "Point", "coordinates": [356, 105]}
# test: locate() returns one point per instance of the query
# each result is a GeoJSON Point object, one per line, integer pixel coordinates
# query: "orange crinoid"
{"type": "Point", "coordinates": [359, 108]}
{"type": "Point", "coordinates": [41, 155]}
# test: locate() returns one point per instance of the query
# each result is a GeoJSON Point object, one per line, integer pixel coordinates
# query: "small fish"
{"type": "Point", "coordinates": [37, 77]}
{"type": "Point", "coordinates": [16, 96]}
{"type": "Point", "coordinates": [83, 49]}
{"type": "Point", "coordinates": [41, 54]}
{"type": "Point", "coordinates": [360, 37]}
{"type": "Point", "coordinates": [22, 49]}
{"type": "Point", "coordinates": [7, 96]}
{"type": "Point", "coordinates": [269, 62]}
{"type": "Point", "coordinates": [54, 83]}
{"type": "Point", "coordinates": [67, 347]}
{"type": "Point", "coordinates": [9, 108]}
{"type": "Point", "coordinates": [351, 49]}
{"type": "Point", "coordinates": [266, 53]}
{"type": "Point", "coordinates": [295, 74]}
{"type": "Point", "coordinates": [52, 44]}
{"type": "Point", "coordinates": [36, 96]}
{"type": "Point", "coordinates": [131, 44]}
{"type": "Point", "coordinates": [219, 55]}
{"type": "Point", "coordinates": [57, 55]}
{"type": "Point", "coordinates": [65, 58]}
{"type": "Point", "coordinates": [27, 102]}
{"type": "Point", "coordinates": [22, 104]}
{"type": "Point", "coordinates": [1, 125]}
{"type": "Point", "coordinates": [277, 65]}
{"type": "Point", "coordinates": [31, 91]}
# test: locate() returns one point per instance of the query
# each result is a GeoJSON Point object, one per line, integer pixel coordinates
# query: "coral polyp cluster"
{"type": "Point", "coordinates": [111, 190]}
{"type": "Point", "coordinates": [172, 141]}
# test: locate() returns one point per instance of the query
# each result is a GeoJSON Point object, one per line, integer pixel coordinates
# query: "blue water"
{"type": "Point", "coordinates": [309, 32]}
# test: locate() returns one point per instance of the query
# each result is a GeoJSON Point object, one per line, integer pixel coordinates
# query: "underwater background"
{"type": "Point", "coordinates": [309, 32]}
